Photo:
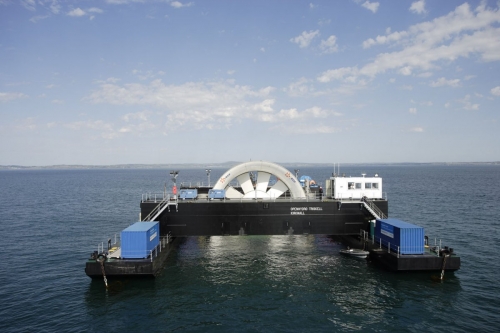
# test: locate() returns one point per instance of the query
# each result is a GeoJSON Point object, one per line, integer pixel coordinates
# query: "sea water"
{"type": "Point", "coordinates": [51, 220]}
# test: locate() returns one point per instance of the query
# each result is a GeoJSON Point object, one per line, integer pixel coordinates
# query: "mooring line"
{"type": "Point", "coordinates": [101, 260]}
{"type": "Point", "coordinates": [444, 264]}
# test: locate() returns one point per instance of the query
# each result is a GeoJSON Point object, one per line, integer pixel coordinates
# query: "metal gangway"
{"type": "Point", "coordinates": [373, 209]}
{"type": "Point", "coordinates": [162, 205]}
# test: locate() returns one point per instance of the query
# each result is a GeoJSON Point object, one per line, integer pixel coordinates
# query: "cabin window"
{"type": "Point", "coordinates": [368, 185]}
{"type": "Point", "coordinates": [350, 185]}
{"type": "Point", "coordinates": [375, 186]}
{"type": "Point", "coordinates": [358, 186]}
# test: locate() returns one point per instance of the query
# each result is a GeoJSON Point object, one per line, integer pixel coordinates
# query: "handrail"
{"type": "Point", "coordinates": [373, 209]}
{"type": "Point", "coordinates": [157, 210]}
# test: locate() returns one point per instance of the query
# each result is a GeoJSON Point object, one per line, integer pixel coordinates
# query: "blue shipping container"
{"type": "Point", "coordinates": [139, 239]}
{"type": "Point", "coordinates": [408, 237]}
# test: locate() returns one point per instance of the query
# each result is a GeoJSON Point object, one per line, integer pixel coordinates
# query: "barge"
{"type": "Point", "coordinates": [256, 198]}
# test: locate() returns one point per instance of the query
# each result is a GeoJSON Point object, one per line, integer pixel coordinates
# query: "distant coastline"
{"type": "Point", "coordinates": [219, 165]}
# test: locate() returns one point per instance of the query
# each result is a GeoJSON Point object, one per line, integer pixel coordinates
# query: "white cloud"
{"type": "Point", "coordinates": [467, 104]}
{"type": "Point", "coordinates": [95, 10]}
{"type": "Point", "coordinates": [373, 6]}
{"type": "Point", "coordinates": [495, 91]}
{"type": "Point", "coordinates": [29, 4]}
{"type": "Point", "coordinates": [443, 82]}
{"type": "Point", "coordinates": [55, 7]}
{"type": "Point", "coordinates": [425, 74]}
{"type": "Point", "coordinates": [461, 33]}
{"type": "Point", "coordinates": [405, 70]}
{"type": "Point", "coordinates": [389, 38]}
{"type": "Point", "coordinates": [199, 105]}
{"type": "Point", "coordinates": [301, 87]}
{"type": "Point", "coordinates": [323, 22]}
{"type": "Point", "coordinates": [413, 110]}
{"type": "Point", "coordinates": [77, 12]}
{"type": "Point", "coordinates": [418, 7]}
{"type": "Point", "coordinates": [417, 129]}
{"type": "Point", "coordinates": [147, 75]}
{"type": "Point", "coordinates": [304, 39]}
{"type": "Point", "coordinates": [296, 129]}
{"type": "Point", "coordinates": [8, 96]}
{"type": "Point", "coordinates": [37, 18]}
{"type": "Point", "coordinates": [312, 6]}
{"type": "Point", "coordinates": [338, 74]}
{"type": "Point", "coordinates": [329, 45]}
{"type": "Point", "coordinates": [178, 4]}
{"type": "Point", "coordinates": [143, 115]}
{"type": "Point", "coordinates": [122, 2]}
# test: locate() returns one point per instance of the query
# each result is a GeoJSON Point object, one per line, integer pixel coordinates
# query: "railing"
{"type": "Point", "coordinates": [172, 199]}
{"type": "Point", "coordinates": [373, 209]}
{"type": "Point", "coordinates": [100, 247]}
{"type": "Point", "coordinates": [164, 241]}
{"type": "Point", "coordinates": [388, 245]}
{"type": "Point", "coordinates": [159, 209]}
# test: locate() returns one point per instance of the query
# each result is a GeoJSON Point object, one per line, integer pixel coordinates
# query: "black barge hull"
{"type": "Point", "coordinates": [428, 261]}
{"type": "Point", "coordinates": [119, 268]}
{"type": "Point", "coordinates": [280, 217]}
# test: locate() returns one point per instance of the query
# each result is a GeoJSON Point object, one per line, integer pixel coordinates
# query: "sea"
{"type": "Point", "coordinates": [51, 220]}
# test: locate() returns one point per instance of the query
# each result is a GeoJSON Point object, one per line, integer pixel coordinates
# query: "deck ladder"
{"type": "Point", "coordinates": [373, 209]}
{"type": "Point", "coordinates": [162, 205]}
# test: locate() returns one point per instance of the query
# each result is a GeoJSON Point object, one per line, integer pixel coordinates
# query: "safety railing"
{"type": "Point", "coordinates": [373, 209]}
{"type": "Point", "coordinates": [386, 244]}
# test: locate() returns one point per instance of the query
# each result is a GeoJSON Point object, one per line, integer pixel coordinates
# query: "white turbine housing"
{"type": "Point", "coordinates": [286, 181]}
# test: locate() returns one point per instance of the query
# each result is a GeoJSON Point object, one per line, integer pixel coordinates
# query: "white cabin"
{"type": "Point", "coordinates": [341, 187]}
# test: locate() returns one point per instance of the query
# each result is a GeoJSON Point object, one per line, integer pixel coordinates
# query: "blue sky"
{"type": "Point", "coordinates": [131, 81]}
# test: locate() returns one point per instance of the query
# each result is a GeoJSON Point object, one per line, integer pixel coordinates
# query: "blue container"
{"type": "Point", "coordinates": [139, 239]}
{"type": "Point", "coordinates": [188, 194]}
{"type": "Point", "coordinates": [408, 237]}
{"type": "Point", "coordinates": [216, 194]}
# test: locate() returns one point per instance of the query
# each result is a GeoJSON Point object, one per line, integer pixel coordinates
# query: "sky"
{"type": "Point", "coordinates": [160, 81]}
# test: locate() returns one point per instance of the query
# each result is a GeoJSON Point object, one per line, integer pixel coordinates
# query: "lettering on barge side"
{"type": "Point", "coordinates": [303, 210]}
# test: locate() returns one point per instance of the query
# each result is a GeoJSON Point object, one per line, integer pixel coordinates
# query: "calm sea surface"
{"type": "Point", "coordinates": [50, 221]}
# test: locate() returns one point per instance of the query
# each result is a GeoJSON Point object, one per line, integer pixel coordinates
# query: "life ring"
{"type": "Point", "coordinates": [174, 190]}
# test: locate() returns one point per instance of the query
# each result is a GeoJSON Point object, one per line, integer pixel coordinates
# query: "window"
{"type": "Point", "coordinates": [350, 185]}
{"type": "Point", "coordinates": [358, 186]}
{"type": "Point", "coordinates": [368, 185]}
{"type": "Point", "coordinates": [375, 186]}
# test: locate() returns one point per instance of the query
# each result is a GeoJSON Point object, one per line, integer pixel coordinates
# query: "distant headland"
{"type": "Point", "coordinates": [223, 165]}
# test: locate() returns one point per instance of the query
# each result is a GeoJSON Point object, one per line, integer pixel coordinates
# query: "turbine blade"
{"type": "Point", "coordinates": [262, 181]}
{"type": "Point", "coordinates": [232, 193]}
{"type": "Point", "coordinates": [245, 182]}
{"type": "Point", "coordinates": [278, 189]}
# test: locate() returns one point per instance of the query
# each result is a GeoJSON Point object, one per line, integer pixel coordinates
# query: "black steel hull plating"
{"type": "Point", "coordinates": [206, 218]}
